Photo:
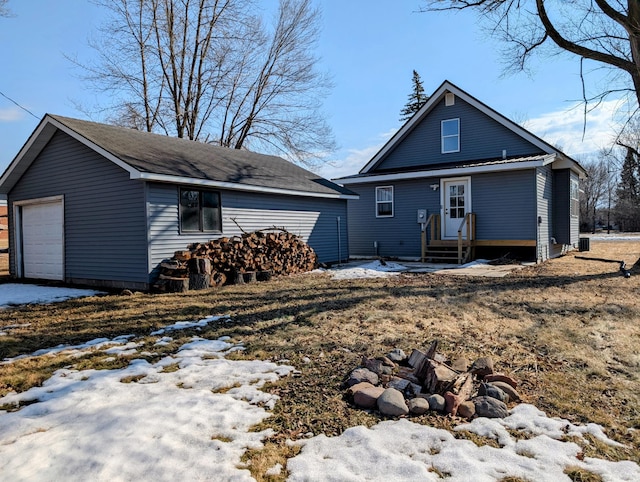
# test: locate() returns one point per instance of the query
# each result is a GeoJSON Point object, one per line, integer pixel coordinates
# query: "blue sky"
{"type": "Point", "coordinates": [369, 47]}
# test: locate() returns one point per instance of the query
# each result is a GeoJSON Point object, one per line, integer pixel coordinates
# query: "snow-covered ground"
{"type": "Point", "coordinates": [194, 423]}
{"type": "Point", "coordinates": [22, 294]}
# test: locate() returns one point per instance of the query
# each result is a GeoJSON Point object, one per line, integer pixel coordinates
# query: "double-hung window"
{"type": "Point", "coordinates": [384, 201]}
{"type": "Point", "coordinates": [200, 211]}
{"type": "Point", "coordinates": [575, 198]}
{"type": "Point", "coordinates": [450, 130]}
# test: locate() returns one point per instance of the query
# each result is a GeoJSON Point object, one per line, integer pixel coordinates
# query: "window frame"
{"type": "Point", "coordinates": [379, 202]}
{"type": "Point", "coordinates": [449, 136]}
{"type": "Point", "coordinates": [574, 198]}
{"type": "Point", "coordinates": [201, 208]}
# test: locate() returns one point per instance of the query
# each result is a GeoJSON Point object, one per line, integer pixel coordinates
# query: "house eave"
{"type": "Point", "coordinates": [451, 172]}
{"type": "Point", "coordinates": [164, 178]}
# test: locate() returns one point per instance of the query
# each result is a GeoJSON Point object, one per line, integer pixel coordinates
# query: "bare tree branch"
{"type": "Point", "coordinates": [210, 70]}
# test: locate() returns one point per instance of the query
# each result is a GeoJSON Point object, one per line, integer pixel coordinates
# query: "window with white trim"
{"type": "Point", "coordinates": [575, 199]}
{"type": "Point", "coordinates": [384, 201]}
{"type": "Point", "coordinates": [200, 211]}
{"type": "Point", "coordinates": [450, 130]}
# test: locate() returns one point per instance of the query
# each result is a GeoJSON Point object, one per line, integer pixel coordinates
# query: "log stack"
{"type": "Point", "coordinates": [254, 256]}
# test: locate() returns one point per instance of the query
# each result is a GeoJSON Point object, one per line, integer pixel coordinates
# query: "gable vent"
{"type": "Point", "coordinates": [449, 99]}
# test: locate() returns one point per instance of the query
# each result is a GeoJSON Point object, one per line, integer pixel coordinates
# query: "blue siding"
{"type": "Point", "coordinates": [103, 213]}
{"type": "Point", "coordinates": [396, 236]}
{"type": "Point", "coordinates": [481, 137]}
{"type": "Point", "coordinates": [561, 207]}
{"type": "Point", "coordinates": [505, 205]}
{"type": "Point", "coordinates": [313, 219]}
{"type": "Point", "coordinates": [544, 182]}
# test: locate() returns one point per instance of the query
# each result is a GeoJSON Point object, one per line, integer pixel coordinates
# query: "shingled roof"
{"type": "Point", "coordinates": [162, 158]}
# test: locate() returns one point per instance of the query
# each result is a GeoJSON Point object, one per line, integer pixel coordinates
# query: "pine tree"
{"type": "Point", "coordinates": [417, 98]}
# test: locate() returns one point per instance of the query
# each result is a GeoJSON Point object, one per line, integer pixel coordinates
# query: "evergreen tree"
{"type": "Point", "coordinates": [628, 192]}
{"type": "Point", "coordinates": [417, 98]}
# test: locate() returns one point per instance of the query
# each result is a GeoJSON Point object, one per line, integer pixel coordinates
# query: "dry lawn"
{"type": "Point", "coordinates": [568, 329]}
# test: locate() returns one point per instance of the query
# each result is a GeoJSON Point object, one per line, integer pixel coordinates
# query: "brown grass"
{"type": "Point", "coordinates": [568, 329]}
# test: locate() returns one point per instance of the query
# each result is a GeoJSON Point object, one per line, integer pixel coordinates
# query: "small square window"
{"type": "Point", "coordinates": [384, 201]}
{"type": "Point", "coordinates": [450, 131]}
{"type": "Point", "coordinates": [200, 211]}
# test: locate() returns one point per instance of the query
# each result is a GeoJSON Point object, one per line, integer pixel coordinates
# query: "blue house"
{"type": "Point", "coordinates": [459, 180]}
{"type": "Point", "coordinates": [102, 205]}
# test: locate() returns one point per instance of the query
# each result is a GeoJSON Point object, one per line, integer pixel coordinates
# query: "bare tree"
{"type": "Point", "coordinates": [211, 70]}
{"type": "Point", "coordinates": [4, 11]}
{"type": "Point", "coordinates": [604, 31]}
{"type": "Point", "coordinates": [594, 190]}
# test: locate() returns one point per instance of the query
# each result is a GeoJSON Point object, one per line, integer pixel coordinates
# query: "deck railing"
{"type": "Point", "coordinates": [468, 222]}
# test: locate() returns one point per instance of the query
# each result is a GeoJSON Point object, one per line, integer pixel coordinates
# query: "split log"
{"type": "Point", "coordinates": [438, 377]}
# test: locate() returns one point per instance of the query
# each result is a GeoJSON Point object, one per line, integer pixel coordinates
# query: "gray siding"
{"type": "Point", "coordinates": [103, 211]}
{"type": "Point", "coordinates": [396, 236]}
{"type": "Point", "coordinates": [481, 137]}
{"type": "Point", "coordinates": [544, 181]}
{"type": "Point", "coordinates": [505, 205]}
{"type": "Point", "coordinates": [313, 219]}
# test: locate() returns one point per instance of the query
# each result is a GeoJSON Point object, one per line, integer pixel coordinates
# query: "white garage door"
{"type": "Point", "coordinates": [42, 241]}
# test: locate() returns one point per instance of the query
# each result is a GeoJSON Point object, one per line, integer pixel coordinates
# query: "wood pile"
{"type": "Point", "coordinates": [254, 256]}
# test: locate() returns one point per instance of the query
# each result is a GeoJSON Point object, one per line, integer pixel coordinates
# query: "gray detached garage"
{"type": "Point", "coordinates": [95, 204]}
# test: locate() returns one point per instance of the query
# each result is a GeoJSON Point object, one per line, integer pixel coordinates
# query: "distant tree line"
{"type": "Point", "coordinates": [610, 195]}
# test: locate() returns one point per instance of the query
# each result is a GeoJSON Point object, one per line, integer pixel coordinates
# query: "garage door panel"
{"type": "Point", "coordinates": [43, 241]}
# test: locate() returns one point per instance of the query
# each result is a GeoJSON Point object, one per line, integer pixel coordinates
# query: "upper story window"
{"type": "Point", "coordinates": [200, 211]}
{"type": "Point", "coordinates": [575, 198]}
{"type": "Point", "coordinates": [450, 130]}
{"type": "Point", "coordinates": [384, 201]}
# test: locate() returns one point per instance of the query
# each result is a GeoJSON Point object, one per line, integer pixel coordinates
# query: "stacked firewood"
{"type": "Point", "coordinates": [254, 256]}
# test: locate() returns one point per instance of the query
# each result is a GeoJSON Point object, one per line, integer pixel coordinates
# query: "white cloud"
{"type": "Point", "coordinates": [355, 159]}
{"type": "Point", "coordinates": [564, 128]}
{"type": "Point", "coordinates": [11, 114]}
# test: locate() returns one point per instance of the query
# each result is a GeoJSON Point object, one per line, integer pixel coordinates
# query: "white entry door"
{"type": "Point", "coordinates": [456, 203]}
{"type": "Point", "coordinates": [43, 241]}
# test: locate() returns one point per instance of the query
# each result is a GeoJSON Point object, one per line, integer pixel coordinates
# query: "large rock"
{"type": "Point", "coordinates": [362, 375]}
{"type": "Point", "coordinates": [490, 407]}
{"type": "Point", "coordinates": [367, 397]}
{"type": "Point", "coordinates": [391, 403]}
{"type": "Point", "coordinates": [490, 390]}
{"type": "Point", "coordinates": [514, 396]}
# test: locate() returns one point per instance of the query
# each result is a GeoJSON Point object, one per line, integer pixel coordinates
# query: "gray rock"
{"type": "Point", "coordinates": [397, 355]}
{"type": "Point", "coordinates": [482, 367]}
{"type": "Point", "coordinates": [489, 390]}
{"type": "Point", "coordinates": [391, 403]}
{"type": "Point", "coordinates": [490, 407]}
{"type": "Point", "coordinates": [514, 396]}
{"type": "Point", "coordinates": [418, 406]}
{"type": "Point", "coordinates": [399, 384]}
{"type": "Point", "coordinates": [362, 375]}
{"type": "Point", "coordinates": [437, 402]}
{"type": "Point", "coordinates": [374, 365]}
